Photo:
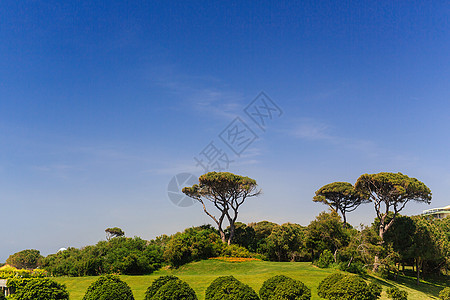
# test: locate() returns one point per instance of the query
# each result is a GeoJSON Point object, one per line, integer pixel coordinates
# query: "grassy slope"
{"type": "Point", "coordinates": [200, 274]}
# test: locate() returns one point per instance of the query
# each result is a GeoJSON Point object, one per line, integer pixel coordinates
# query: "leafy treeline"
{"type": "Point", "coordinates": [411, 241]}
{"type": "Point", "coordinates": [118, 255]}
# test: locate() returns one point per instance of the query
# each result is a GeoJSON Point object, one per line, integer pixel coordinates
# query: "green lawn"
{"type": "Point", "coordinates": [200, 274]}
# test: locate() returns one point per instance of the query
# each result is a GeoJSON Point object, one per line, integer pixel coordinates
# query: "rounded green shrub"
{"type": "Point", "coordinates": [270, 285]}
{"type": "Point", "coordinates": [175, 290]}
{"type": "Point", "coordinates": [108, 287]}
{"type": "Point", "coordinates": [291, 289]}
{"type": "Point", "coordinates": [347, 287]}
{"type": "Point", "coordinates": [2, 297]}
{"type": "Point", "coordinates": [326, 285]}
{"type": "Point", "coordinates": [445, 294]}
{"type": "Point", "coordinates": [350, 288]}
{"type": "Point", "coordinates": [281, 287]}
{"type": "Point", "coordinates": [157, 284]}
{"type": "Point", "coordinates": [40, 289]}
{"type": "Point", "coordinates": [229, 288]}
{"type": "Point", "coordinates": [396, 294]}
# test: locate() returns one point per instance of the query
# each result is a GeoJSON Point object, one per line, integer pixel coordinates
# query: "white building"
{"type": "Point", "coordinates": [438, 213]}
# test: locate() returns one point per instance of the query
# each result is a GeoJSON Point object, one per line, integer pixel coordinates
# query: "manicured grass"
{"type": "Point", "coordinates": [200, 274]}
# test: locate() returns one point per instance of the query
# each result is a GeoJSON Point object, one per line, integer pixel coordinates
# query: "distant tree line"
{"type": "Point", "coordinates": [412, 241]}
{"type": "Point", "coordinates": [389, 245]}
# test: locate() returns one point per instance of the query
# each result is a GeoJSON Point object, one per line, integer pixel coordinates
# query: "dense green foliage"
{"type": "Point", "coordinates": [157, 284]}
{"type": "Point", "coordinates": [326, 284]}
{"type": "Point", "coordinates": [37, 289]}
{"type": "Point", "coordinates": [244, 236]}
{"type": "Point", "coordinates": [326, 259]}
{"type": "Point", "coordinates": [193, 244]}
{"type": "Point", "coordinates": [326, 233]}
{"type": "Point", "coordinates": [347, 287]}
{"type": "Point", "coordinates": [281, 287]}
{"type": "Point", "coordinates": [25, 259]}
{"type": "Point", "coordinates": [418, 241]}
{"type": "Point", "coordinates": [229, 288]}
{"type": "Point", "coordinates": [284, 243]}
{"type": "Point", "coordinates": [396, 294]}
{"type": "Point", "coordinates": [445, 294]}
{"type": "Point", "coordinates": [119, 255]}
{"type": "Point", "coordinates": [175, 290]}
{"type": "Point", "coordinates": [2, 297]}
{"type": "Point", "coordinates": [270, 285]}
{"type": "Point", "coordinates": [108, 287]}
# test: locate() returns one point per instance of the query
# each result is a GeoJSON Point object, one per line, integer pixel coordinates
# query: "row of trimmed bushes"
{"type": "Point", "coordinates": [228, 287]}
{"type": "Point", "coordinates": [168, 287]}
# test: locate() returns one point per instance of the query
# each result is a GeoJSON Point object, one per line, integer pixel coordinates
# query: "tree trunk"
{"type": "Point", "coordinates": [418, 270]}
{"type": "Point", "coordinates": [376, 263]}
{"type": "Point", "coordinates": [232, 231]}
{"type": "Point", "coordinates": [222, 235]}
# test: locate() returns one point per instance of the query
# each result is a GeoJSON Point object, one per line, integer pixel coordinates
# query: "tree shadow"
{"type": "Point", "coordinates": [428, 288]}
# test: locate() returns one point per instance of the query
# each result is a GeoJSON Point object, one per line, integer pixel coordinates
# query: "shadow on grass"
{"type": "Point", "coordinates": [428, 288]}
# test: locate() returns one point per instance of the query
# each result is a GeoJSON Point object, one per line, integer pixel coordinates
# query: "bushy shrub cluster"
{"type": "Point", "coordinates": [108, 287]}
{"type": "Point", "coordinates": [445, 294]}
{"type": "Point", "coordinates": [281, 287]}
{"type": "Point", "coordinates": [396, 294]}
{"type": "Point", "coordinates": [120, 255]}
{"type": "Point", "coordinates": [235, 251]}
{"type": "Point", "coordinates": [37, 289]}
{"type": "Point", "coordinates": [193, 244]}
{"type": "Point", "coordinates": [356, 267]}
{"type": "Point", "coordinates": [229, 288]}
{"type": "Point", "coordinates": [347, 287]}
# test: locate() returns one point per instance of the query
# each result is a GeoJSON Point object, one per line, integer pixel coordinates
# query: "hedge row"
{"type": "Point", "coordinates": [109, 287]}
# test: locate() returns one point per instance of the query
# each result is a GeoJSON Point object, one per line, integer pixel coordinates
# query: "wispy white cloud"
{"type": "Point", "coordinates": [203, 94]}
{"type": "Point", "coordinates": [316, 130]}
{"type": "Point", "coordinates": [61, 171]}
{"type": "Point", "coordinates": [312, 130]}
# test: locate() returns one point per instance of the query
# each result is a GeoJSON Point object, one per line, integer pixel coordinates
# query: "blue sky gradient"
{"type": "Point", "coordinates": [102, 103]}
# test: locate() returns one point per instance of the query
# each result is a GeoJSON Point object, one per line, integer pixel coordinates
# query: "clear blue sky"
{"type": "Point", "coordinates": [102, 102]}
